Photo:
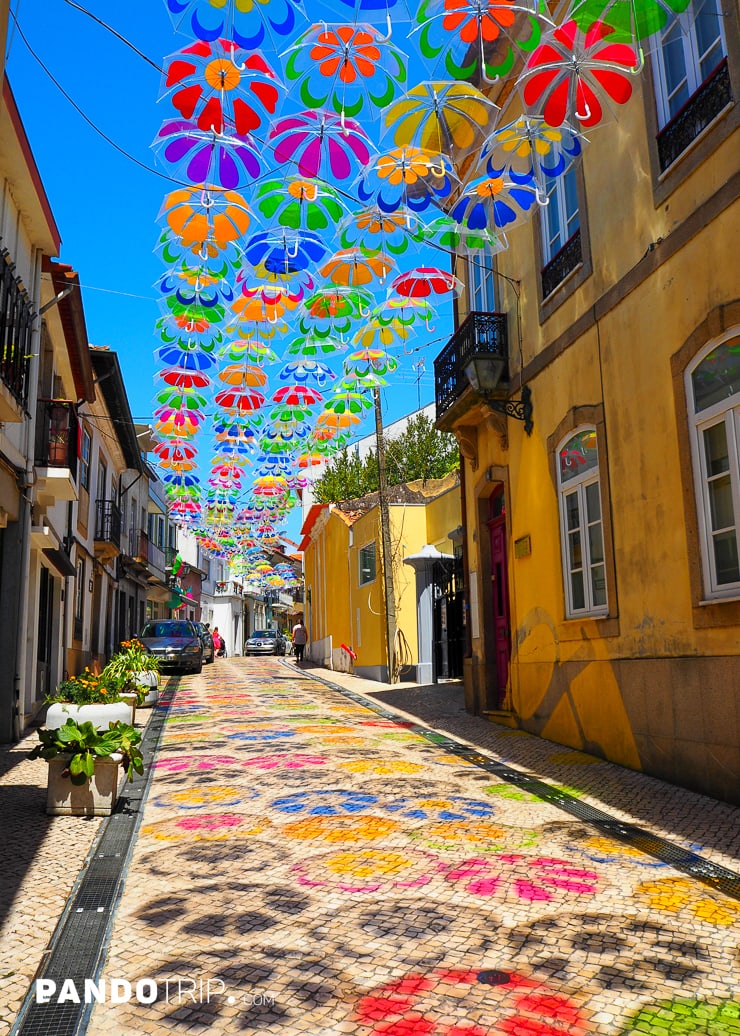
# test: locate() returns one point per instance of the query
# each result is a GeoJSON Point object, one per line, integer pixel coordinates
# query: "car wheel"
{"type": "Point", "coordinates": [198, 669]}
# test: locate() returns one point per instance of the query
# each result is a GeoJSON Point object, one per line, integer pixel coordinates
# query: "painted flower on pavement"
{"type": "Point", "coordinates": [684, 896]}
{"type": "Point", "coordinates": [365, 828]}
{"type": "Point", "coordinates": [687, 1018]}
{"type": "Point", "coordinates": [209, 795]}
{"type": "Point", "coordinates": [194, 762]}
{"type": "Point", "coordinates": [383, 767]}
{"type": "Point", "coordinates": [207, 827]}
{"type": "Point", "coordinates": [481, 836]}
{"type": "Point", "coordinates": [329, 803]}
{"type": "Point", "coordinates": [367, 870]}
{"type": "Point", "coordinates": [454, 807]}
{"type": "Point", "coordinates": [445, 1002]}
{"type": "Point", "coordinates": [287, 761]}
{"type": "Point", "coordinates": [529, 878]}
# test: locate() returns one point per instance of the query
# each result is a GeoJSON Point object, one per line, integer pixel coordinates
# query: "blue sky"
{"type": "Point", "coordinates": [106, 195]}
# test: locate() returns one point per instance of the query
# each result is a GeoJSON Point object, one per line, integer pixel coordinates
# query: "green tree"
{"type": "Point", "coordinates": [419, 452]}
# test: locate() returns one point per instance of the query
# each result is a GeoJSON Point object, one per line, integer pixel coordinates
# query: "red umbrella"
{"type": "Point", "coordinates": [297, 395]}
{"type": "Point", "coordinates": [425, 281]}
{"type": "Point", "coordinates": [244, 400]}
{"type": "Point", "coordinates": [179, 378]}
{"type": "Point", "coordinates": [175, 451]}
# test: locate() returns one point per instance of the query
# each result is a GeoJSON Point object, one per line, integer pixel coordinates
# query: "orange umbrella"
{"type": "Point", "coordinates": [351, 267]}
{"type": "Point", "coordinates": [243, 375]}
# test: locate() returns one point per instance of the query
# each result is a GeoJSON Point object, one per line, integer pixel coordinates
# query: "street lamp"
{"type": "Point", "coordinates": [484, 371]}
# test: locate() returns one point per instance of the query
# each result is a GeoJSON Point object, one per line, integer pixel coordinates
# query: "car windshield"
{"type": "Point", "coordinates": [167, 629]}
{"type": "Point", "coordinates": [264, 635]}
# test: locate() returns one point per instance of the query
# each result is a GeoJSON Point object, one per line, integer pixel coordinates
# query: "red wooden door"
{"type": "Point", "coordinates": [500, 596]}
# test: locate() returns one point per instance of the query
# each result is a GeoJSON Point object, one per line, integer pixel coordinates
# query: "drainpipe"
{"type": "Point", "coordinates": [24, 634]}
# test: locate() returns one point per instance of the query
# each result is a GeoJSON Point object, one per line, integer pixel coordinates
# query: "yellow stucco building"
{"type": "Point", "coordinates": [344, 605]}
{"type": "Point", "coordinates": [601, 550]}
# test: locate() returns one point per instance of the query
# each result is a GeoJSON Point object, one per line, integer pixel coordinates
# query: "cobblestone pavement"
{"type": "Point", "coordinates": [40, 858]}
{"type": "Point", "coordinates": [306, 866]}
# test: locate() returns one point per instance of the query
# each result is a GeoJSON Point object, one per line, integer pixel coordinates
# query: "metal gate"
{"type": "Point", "coordinates": [449, 619]}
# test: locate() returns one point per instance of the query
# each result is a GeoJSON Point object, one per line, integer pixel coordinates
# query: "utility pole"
{"type": "Point", "coordinates": [385, 541]}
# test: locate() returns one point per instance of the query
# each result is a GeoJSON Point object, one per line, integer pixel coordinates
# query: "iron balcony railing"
{"type": "Point", "coordinates": [16, 319]}
{"type": "Point", "coordinates": [479, 333]}
{"type": "Point", "coordinates": [108, 522]}
{"type": "Point", "coordinates": [56, 435]}
{"type": "Point", "coordinates": [561, 264]}
{"type": "Point", "coordinates": [145, 551]}
{"type": "Point", "coordinates": [714, 94]}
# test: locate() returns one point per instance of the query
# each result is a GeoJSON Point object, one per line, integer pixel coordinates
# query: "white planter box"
{"type": "Point", "coordinates": [150, 681]}
{"type": "Point", "coordinates": [99, 715]}
{"type": "Point", "coordinates": [95, 798]}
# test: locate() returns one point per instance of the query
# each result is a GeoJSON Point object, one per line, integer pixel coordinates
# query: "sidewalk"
{"type": "Point", "coordinates": [307, 865]}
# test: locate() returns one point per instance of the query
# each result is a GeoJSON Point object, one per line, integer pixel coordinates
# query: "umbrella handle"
{"type": "Point", "coordinates": [232, 59]}
{"type": "Point", "coordinates": [541, 195]}
{"type": "Point", "coordinates": [389, 29]}
{"type": "Point", "coordinates": [583, 116]}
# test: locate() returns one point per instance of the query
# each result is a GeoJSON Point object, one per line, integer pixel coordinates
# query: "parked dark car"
{"type": "Point", "coordinates": [206, 639]}
{"type": "Point", "coordinates": [265, 642]}
{"type": "Point", "coordinates": [175, 643]}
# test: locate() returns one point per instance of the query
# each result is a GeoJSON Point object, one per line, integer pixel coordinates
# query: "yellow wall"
{"type": "Point", "coordinates": [633, 687]}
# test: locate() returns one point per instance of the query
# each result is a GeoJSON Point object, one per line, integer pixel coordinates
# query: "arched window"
{"type": "Point", "coordinates": [713, 385]}
{"type": "Point", "coordinates": [581, 525]}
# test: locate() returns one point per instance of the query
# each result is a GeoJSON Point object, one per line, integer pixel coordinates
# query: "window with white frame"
{"type": "Point", "coordinates": [85, 447]}
{"type": "Point", "coordinates": [481, 283]}
{"type": "Point", "coordinates": [560, 217]}
{"type": "Point", "coordinates": [581, 525]}
{"type": "Point", "coordinates": [713, 385]}
{"type": "Point", "coordinates": [367, 563]}
{"type": "Point", "coordinates": [689, 50]}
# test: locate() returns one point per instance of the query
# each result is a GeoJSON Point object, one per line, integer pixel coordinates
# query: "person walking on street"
{"type": "Point", "coordinates": [299, 638]}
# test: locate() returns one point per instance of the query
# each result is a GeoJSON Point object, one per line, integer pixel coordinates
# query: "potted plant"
{"type": "Point", "coordinates": [84, 765]}
{"type": "Point", "coordinates": [137, 670]}
{"type": "Point", "coordinates": [89, 696]}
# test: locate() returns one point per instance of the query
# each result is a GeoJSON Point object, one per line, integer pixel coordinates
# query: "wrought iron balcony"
{"type": "Point", "coordinates": [108, 523]}
{"type": "Point", "coordinates": [561, 264]}
{"type": "Point", "coordinates": [714, 94]}
{"type": "Point", "coordinates": [56, 435]}
{"type": "Point", "coordinates": [484, 333]}
{"type": "Point", "coordinates": [16, 319]}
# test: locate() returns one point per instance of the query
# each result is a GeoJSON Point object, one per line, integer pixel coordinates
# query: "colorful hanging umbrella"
{"type": "Point", "coordinates": [476, 39]}
{"type": "Point", "coordinates": [226, 160]}
{"type": "Point", "coordinates": [297, 395]}
{"type": "Point", "coordinates": [201, 216]}
{"type": "Point", "coordinates": [380, 10]}
{"type": "Point", "coordinates": [285, 251]}
{"type": "Point", "coordinates": [364, 363]}
{"type": "Point", "coordinates": [300, 204]}
{"type": "Point", "coordinates": [181, 399]}
{"type": "Point", "coordinates": [347, 401]}
{"type": "Point", "coordinates": [426, 281]}
{"type": "Point", "coordinates": [351, 268]}
{"type": "Point", "coordinates": [185, 354]}
{"type": "Point", "coordinates": [190, 327]}
{"type": "Point", "coordinates": [446, 118]}
{"type": "Point", "coordinates": [241, 400]}
{"type": "Point", "coordinates": [249, 349]}
{"type": "Point", "coordinates": [374, 334]}
{"type": "Point", "coordinates": [243, 375]}
{"type": "Point", "coordinates": [446, 234]}
{"type": "Point", "coordinates": [176, 452]}
{"type": "Point", "coordinates": [491, 203]}
{"type": "Point", "coordinates": [320, 144]}
{"type": "Point", "coordinates": [180, 423]}
{"type": "Point", "coordinates": [529, 145]}
{"type": "Point", "coordinates": [249, 24]}
{"type": "Point", "coordinates": [576, 74]}
{"type": "Point", "coordinates": [350, 68]}
{"type": "Point", "coordinates": [194, 285]}
{"type": "Point", "coordinates": [630, 19]}
{"type": "Point", "coordinates": [220, 86]}
{"type": "Point", "coordinates": [314, 345]}
{"type": "Point", "coordinates": [333, 310]}
{"type": "Point", "coordinates": [178, 378]}
{"type": "Point", "coordinates": [374, 231]}
{"type": "Point", "coordinates": [407, 178]}
{"type": "Point", "coordinates": [303, 371]}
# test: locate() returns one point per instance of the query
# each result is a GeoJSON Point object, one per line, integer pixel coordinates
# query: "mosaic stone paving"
{"type": "Point", "coordinates": [305, 866]}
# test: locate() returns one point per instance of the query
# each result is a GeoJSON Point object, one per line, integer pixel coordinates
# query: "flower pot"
{"type": "Point", "coordinates": [99, 715]}
{"type": "Point", "coordinates": [95, 798]}
{"type": "Point", "coordinates": [149, 681]}
{"type": "Point", "coordinates": [130, 698]}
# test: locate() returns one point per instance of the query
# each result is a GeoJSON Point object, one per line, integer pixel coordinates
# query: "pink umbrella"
{"type": "Point", "coordinates": [321, 144]}
{"type": "Point", "coordinates": [297, 396]}
{"type": "Point", "coordinates": [425, 281]}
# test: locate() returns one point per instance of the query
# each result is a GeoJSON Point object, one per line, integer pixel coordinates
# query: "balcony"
{"type": "Point", "coordinates": [562, 263]}
{"type": "Point", "coordinates": [56, 451]}
{"type": "Point", "coordinates": [229, 588]}
{"type": "Point", "coordinates": [480, 333]}
{"type": "Point", "coordinates": [16, 319]}
{"type": "Point", "coordinates": [140, 550]}
{"type": "Point", "coordinates": [107, 530]}
{"type": "Point", "coordinates": [714, 94]}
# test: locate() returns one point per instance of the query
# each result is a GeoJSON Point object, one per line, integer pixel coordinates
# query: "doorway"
{"type": "Point", "coordinates": [500, 593]}
{"type": "Point", "coordinates": [45, 630]}
{"type": "Point", "coordinates": [449, 619]}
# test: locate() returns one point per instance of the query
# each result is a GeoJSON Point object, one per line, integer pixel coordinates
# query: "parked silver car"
{"type": "Point", "coordinates": [265, 642]}
{"type": "Point", "coordinates": [175, 643]}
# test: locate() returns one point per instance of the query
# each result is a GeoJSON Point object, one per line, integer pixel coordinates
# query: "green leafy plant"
{"type": "Point", "coordinates": [88, 689]}
{"type": "Point", "coordinates": [84, 744]}
{"type": "Point", "coordinates": [127, 663]}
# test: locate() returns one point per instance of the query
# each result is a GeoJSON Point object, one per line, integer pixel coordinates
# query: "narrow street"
{"type": "Point", "coordinates": [307, 863]}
